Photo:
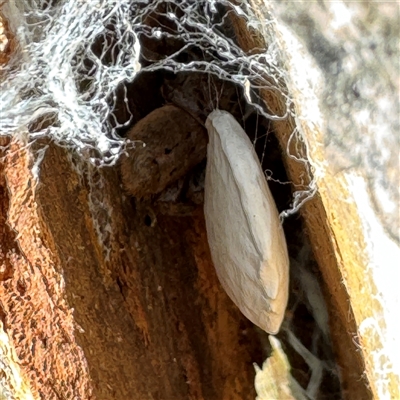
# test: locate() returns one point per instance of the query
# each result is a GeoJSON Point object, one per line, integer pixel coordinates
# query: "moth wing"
{"type": "Point", "coordinates": [227, 227]}
{"type": "Point", "coordinates": [241, 254]}
{"type": "Point", "coordinates": [257, 203]}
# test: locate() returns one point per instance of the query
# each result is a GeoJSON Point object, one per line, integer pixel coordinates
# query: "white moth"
{"type": "Point", "coordinates": [246, 239]}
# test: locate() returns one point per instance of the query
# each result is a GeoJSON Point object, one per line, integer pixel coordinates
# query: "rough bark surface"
{"type": "Point", "coordinates": [35, 314]}
{"type": "Point", "coordinates": [138, 314]}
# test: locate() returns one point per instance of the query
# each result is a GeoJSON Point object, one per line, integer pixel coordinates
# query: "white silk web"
{"type": "Point", "coordinates": [72, 56]}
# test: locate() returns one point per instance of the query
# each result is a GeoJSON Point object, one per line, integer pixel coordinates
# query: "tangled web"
{"type": "Point", "coordinates": [72, 56]}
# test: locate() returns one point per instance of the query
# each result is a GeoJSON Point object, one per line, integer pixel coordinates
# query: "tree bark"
{"type": "Point", "coordinates": [119, 304]}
